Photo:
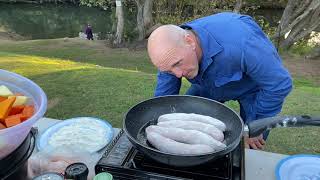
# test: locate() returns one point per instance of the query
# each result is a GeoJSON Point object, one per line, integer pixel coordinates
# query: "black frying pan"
{"type": "Point", "coordinates": [147, 112]}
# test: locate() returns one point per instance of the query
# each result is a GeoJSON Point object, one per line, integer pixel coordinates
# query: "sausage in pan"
{"type": "Point", "coordinates": [187, 136]}
{"type": "Point", "coordinates": [194, 125]}
{"type": "Point", "coordinates": [193, 117]}
{"type": "Point", "coordinates": [173, 147]}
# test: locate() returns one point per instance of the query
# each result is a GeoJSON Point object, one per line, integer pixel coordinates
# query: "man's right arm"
{"type": "Point", "coordinates": [167, 84]}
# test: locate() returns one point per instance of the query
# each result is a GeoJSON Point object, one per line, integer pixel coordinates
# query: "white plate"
{"type": "Point", "coordinates": [43, 139]}
{"type": "Point", "coordinates": [299, 167]}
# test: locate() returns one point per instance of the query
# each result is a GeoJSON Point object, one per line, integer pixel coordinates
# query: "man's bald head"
{"type": "Point", "coordinates": [163, 42]}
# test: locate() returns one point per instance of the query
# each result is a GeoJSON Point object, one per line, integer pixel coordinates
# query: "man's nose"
{"type": "Point", "coordinates": [177, 72]}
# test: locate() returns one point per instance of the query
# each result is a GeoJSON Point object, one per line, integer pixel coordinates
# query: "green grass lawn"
{"type": "Point", "coordinates": [84, 78]}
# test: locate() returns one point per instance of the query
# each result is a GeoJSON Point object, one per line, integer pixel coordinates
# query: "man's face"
{"type": "Point", "coordinates": [181, 62]}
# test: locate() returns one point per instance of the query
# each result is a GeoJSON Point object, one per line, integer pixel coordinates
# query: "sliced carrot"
{"type": "Point", "coordinates": [2, 98]}
{"type": "Point", "coordinates": [13, 120]}
{"type": "Point", "coordinates": [16, 116]}
{"type": "Point", "coordinates": [24, 117]}
{"type": "Point", "coordinates": [5, 107]}
{"type": "Point", "coordinates": [27, 112]}
{"type": "Point", "coordinates": [16, 109]}
{"type": "Point", "coordinates": [2, 126]}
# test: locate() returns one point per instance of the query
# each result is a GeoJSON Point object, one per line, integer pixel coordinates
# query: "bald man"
{"type": "Point", "coordinates": [225, 57]}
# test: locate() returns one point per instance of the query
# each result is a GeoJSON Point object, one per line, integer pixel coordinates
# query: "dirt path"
{"type": "Point", "coordinates": [301, 67]}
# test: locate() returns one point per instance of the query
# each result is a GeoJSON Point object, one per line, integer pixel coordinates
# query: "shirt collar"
{"type": "Point", "coordinates": [210, 47]}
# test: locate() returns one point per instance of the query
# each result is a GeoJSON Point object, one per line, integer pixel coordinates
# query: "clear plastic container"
{"type": "Point", "coordinates": [11, 138]}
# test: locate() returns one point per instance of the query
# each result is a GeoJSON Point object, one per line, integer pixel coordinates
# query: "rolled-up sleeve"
{"type": "Point", "coordinates": [167, 84]}
{"type": "Point", "coordinates": [262, 63]}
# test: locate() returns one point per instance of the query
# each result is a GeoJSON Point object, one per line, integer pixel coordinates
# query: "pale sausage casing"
{"type": "Point", "coordinates": [173, 147]}
{"type": "Point", "coordinates": [187, 136]}
{"type": "Point", "coordinates": [193, 117]}
{"type": "Point", "coordinates": [194, 125]}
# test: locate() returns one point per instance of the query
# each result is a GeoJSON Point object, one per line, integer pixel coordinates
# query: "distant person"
{"type": "Point", "coordinates": [89, 32]}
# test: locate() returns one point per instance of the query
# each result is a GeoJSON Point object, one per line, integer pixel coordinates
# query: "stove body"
{"type": "Point", "coordinates": [124, 162]}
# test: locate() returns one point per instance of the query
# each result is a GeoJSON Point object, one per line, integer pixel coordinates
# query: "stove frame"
{"type": "Point", "coordinates": [124, 162]}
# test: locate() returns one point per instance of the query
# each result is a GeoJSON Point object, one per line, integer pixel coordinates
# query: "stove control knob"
{"type": "Point", "coordinates": [103, 176]}
{"type": "Point", "coordinates": [76, 171]}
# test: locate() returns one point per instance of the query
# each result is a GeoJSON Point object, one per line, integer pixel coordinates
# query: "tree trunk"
{"type": "Point", "coordinates": [120, 23]}
{"type": "Point", "coordinates": [238, 6]}
{"type": "Point", "coordinates": [144, 17]}
{"type": "Point", "coordinates": [147, 14]}
{"type": "Point", "coordinates": [140, 22]}
{"type": "Point", "coordinates": [299, 19]}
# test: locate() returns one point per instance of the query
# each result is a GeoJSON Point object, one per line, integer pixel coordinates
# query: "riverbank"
{"type": "Point", "coordinates": [8, 36]}
{"type": "Point", "coordinates": [87, 78]}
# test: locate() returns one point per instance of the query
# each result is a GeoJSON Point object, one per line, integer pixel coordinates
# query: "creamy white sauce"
{"type": "Point", "coordinates": [86, 134]}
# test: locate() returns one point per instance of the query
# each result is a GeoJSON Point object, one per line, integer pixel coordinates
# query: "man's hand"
{"type": "Point", "coordinates": [255, 143]}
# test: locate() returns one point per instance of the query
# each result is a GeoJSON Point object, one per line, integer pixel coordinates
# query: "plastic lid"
{"type": "Point", "coordinates": [77, 171]}
{"type": "Point", "coordinates": [43, 140]}
{"type": "Point", "coordinates": [103, 176]}
{"type": "Point", "coordinates": [49, 175]}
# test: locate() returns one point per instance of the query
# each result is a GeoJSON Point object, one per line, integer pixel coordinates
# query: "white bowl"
{"type": "Point", "coordinates": [11, 138]}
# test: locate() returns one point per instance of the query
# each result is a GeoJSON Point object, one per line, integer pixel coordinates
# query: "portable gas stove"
{"type": "Point", "coordinates": [124, 162]}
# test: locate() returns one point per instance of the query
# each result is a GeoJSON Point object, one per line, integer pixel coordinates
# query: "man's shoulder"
{"type": "Point", "coordinates": [217, 24]}
{"type": "Point", "coordinates": [215, 18]}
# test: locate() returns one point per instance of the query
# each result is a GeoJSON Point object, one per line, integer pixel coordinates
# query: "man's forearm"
{"type": "Point", "coordinates": [269, 103]}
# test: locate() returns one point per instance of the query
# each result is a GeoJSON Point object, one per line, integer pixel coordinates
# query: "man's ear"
{"type": "Point", "coordinates": [189, 40]}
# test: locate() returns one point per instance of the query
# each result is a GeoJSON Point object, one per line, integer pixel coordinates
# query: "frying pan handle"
{"type": "Point", "coordinates": [257, 127]}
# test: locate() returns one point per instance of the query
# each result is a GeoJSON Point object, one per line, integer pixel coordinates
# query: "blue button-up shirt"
{"type": "Point", "coordinates": [238, 63]}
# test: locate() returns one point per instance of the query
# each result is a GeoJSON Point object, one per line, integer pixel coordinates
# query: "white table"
{"type": "Point", "coordinates": [258, 164]}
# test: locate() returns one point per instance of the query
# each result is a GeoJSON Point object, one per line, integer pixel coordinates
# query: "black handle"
{"type": "Point", "coordinates": [257, 127]}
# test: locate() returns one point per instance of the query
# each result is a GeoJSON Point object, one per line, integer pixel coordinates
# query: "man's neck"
{"type": "Point", "coordinates": [198, 45]}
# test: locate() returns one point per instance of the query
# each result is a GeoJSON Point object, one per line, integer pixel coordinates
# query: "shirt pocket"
{"type": "Point", "coordinates": [226, 78]}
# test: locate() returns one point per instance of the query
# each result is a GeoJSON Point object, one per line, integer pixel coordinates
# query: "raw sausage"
{"type": "Point", "coordinates": [187, 136]}
{"type": "Point", "coordinates": [193, 117]}
{"type": "Point", "coordinates": [194, 125]}
{"type": "Point", "coordinates": [170, 146]}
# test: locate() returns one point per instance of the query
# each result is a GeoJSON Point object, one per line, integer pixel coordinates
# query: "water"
{"type": "Point", "coordinates": [57, 21]}
{"type": "Point", "coordinates": [49, 21]}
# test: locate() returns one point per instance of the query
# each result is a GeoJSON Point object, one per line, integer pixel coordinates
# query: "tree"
{"type": "Point", "coordinates": [299, 19]}
{"type": "Point", "coordinates": [144, 17]}
{"type": "Point", "coordinates": [120, 23]}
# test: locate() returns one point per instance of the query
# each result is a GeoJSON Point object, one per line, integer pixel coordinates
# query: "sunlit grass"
{"type": "Point", "coordinates": [79, 89]}
{"type": "Point", "coordinates": [82, 51]}
{"type": "Point", "coordinates": [35, 65]}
